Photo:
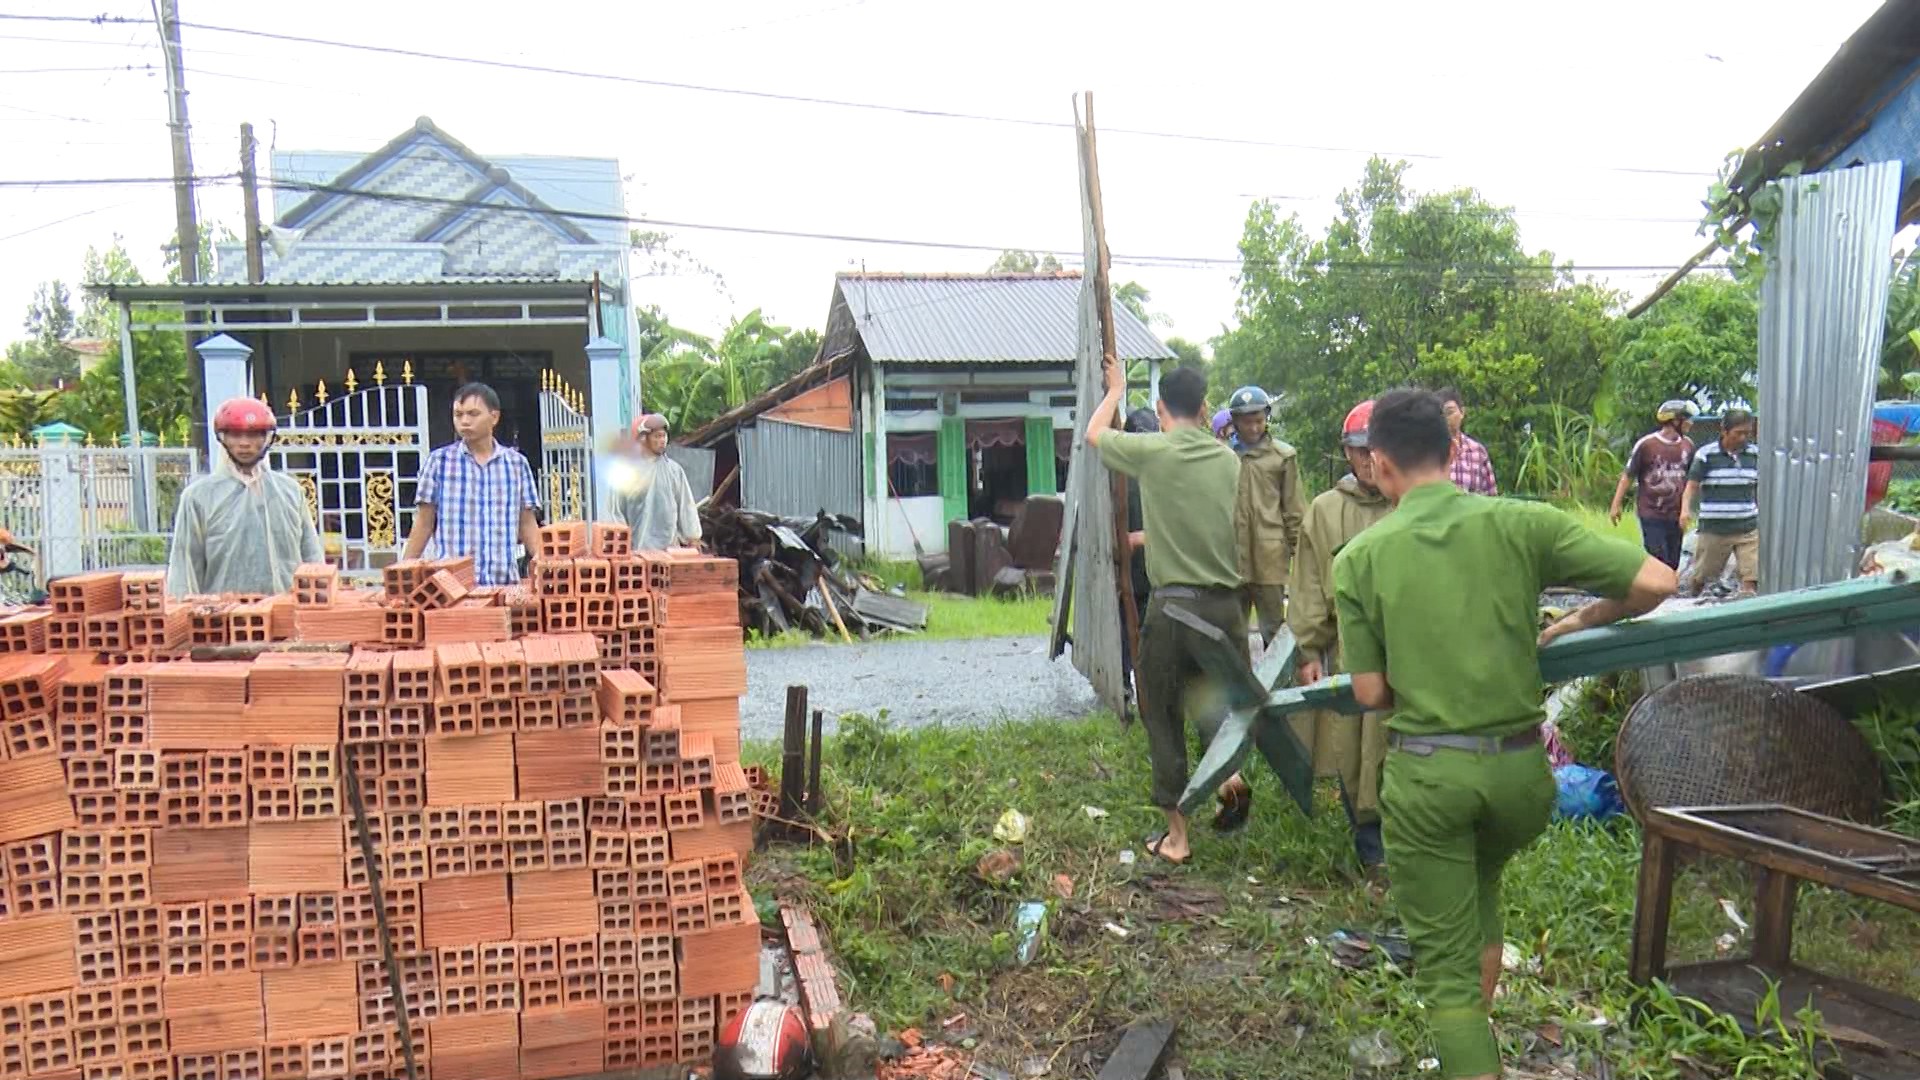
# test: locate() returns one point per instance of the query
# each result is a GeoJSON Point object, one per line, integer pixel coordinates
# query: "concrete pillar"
{"type": "Point", "coordinates": [61, 551]}
{"type": "Point", "coordinates": [227, 373]}
{"type": "Point", "coordinates": [607, 410]}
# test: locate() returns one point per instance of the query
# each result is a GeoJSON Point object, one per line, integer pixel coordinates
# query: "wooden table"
{"type": "Point", "coordinates": [1875, 1034]}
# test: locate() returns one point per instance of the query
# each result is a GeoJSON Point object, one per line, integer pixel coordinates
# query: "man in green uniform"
{"type": "Point", "coordinates": [1339, 747]}
{"type": "Point", "coordinates": [1268, 510]}
{"type": "Point", "coordinates": [1438, 607]}
{"type": "Point", "coordinates": [1194, 625]}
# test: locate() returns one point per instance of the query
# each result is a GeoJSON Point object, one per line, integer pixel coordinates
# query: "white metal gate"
{"type": "Point", "coordinates": [86, 508]}
{"type": "Point", "coordinates": [357, 457]}
{"type": "Point", "coordinates": [566, 451]}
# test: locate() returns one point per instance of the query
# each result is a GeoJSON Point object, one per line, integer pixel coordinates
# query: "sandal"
{"type": "Point", "coordinates": [1234, 810]}
{"type": "Point", "coordinates": [1153, 849]}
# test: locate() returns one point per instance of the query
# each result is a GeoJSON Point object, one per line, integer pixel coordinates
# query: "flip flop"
{"type": "Point", "coordinates": [1234, 810]}
{"type": "Point", "coordinates": [1153, 849]}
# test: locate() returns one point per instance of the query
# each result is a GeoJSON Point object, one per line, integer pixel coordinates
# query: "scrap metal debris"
{"type": "Point", "coordinates": [790, 578]}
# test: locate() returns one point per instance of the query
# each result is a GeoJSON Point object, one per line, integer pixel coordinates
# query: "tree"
{"type": "Point", "coordinates": [98, 403]}
{"type": "Point", "coordinates": [98, 317]}
{"type": "Point", "coordinates": [1134, 297]}
{"type": "Point", "coordinates": [47, 358]}
{"type": "Point", "coordinates": [212, 235]}
{"type": "Point", "coordinates": [691, 378]}
{"type": "Point", "coordinates": [1700, 342]}
{"type": "Point", "coordinates": [1024, 262]}
{"type": "Point", "coordinates": [1409, 288]}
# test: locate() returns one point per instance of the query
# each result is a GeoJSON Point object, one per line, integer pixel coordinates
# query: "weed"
{"type": "Point", "coordinates": [1589, 726]}
{"type": "Point", "coordinates": [1571, 459]}
{"type": "Point", "coordinates": [1231, 946]}
{"type": "Point", "coordinates": [952, 617]}
{"type": "Point", "coordinates": [1894, 733]}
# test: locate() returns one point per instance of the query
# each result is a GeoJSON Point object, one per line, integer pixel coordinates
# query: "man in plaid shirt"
{"type": "Point", "coordinates": [476, 496]}
{"type": "Point", "coordinates": [1472, 469]}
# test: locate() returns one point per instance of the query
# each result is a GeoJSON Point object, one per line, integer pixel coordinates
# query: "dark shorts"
{"type": "Point", "coordinates": [1661, 537]}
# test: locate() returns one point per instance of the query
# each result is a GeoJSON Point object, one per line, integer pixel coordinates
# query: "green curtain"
{"type": "Point", "coordinates": [952, 449]}
{"type": "Point", "coordinates": [1042, 477]}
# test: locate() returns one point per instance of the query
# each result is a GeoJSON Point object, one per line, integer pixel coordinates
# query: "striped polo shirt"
{"type": "Point", "coordinates": [1729, 488]}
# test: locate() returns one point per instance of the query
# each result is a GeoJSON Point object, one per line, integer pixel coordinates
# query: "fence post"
{"type": "Point", "coordinates": [61, 496]}
{"type": "Point", "coordinates": [608, 416]}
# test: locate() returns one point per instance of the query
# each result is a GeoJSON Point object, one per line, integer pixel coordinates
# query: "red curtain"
{"type": "Point", "coordinates": [984, 434]}
{"type": "Point", "coordinates": [919, 448]}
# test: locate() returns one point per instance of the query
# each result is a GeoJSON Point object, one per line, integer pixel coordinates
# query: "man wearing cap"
{"type": "Point", "coordinates": [242, 528]}
{"type": "Point", "coordinates": [651, 493]}
{"type": "Point", "coordinates": [1268, 509]}
{"type": "Point", "coordinates": [1438, 604]}
{"type": "Point", "coordinates": [1350, 752]}
{"type": "Point", "coordinates": [476, 495]}
{"type": "Point", "coordinates": [1658, 465]}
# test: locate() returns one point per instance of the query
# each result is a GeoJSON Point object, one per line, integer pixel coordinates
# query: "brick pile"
{"type": "Point", "coordinates": [557, 816]}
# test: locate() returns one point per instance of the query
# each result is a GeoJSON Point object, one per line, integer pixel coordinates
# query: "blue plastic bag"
{"type": "Point", "coordinates": [1583, 793]}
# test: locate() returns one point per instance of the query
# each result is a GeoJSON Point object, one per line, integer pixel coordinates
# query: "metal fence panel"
{"type": "Point", "coordinates": [1823, 303]}
{"type": "Point", "coordinates": [698, 465]}
{"type": "Point", "coordinates": [82, 508]}
{"type": "Point", "coordinates": [798, 471]}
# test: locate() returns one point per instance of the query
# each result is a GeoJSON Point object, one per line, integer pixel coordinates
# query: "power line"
{"type": "Point", "coordinates": [97, 20]}
{"type": "Point", "coordinates": [75, 70]}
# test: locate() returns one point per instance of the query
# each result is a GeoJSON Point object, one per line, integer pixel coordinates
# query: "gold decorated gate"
{"type": "Point", "coordinates": [566, 451]}
{"type": "Point", "coordinates": [358, 456]}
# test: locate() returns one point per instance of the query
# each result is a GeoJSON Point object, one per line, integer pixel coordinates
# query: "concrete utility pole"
{"type": "Point", "coordinates": [250, 193]}
{"type": "Point", "coordinates": [167, 13]}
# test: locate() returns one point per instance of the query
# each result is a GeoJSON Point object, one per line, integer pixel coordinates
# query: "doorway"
{"type": "Point", "coordinates": [514, 376]}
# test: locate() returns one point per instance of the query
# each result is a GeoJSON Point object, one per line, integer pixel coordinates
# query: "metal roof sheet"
{"type": "Point", "coordinates": [980, 318]}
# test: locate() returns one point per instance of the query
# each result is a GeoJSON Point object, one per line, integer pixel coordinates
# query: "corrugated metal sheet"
{"type": "Point", "coordinates": [980, 318]}
{"type": "Point", "coordinates": [1823, 304]}
{"type": "Point", "coordinates": [799, 471]}
{"type": "Point", "coordinates": [698, 465]}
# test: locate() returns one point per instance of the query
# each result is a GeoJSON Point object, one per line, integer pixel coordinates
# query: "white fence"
{"type": "Point", "coordinates": [85, 508]}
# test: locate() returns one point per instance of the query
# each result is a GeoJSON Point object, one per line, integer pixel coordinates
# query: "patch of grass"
{"type": "Point", "coordinates": [1233, 946]}
{"type": "Point", "coordinates": [1589, 727]}
{"type": "Point", "coordinates": [1595, 518]}
{"type": "Point", "coordinates": [951, 617]}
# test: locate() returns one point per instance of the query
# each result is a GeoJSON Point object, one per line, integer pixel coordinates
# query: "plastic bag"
{"type": "Point", "coordinates": [1583, 793]}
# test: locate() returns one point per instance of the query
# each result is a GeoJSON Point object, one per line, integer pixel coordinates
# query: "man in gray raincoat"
{"type": "Point", "coordinates": [651, 494]}
{"type": "Point", "coordinates": [242, 528]}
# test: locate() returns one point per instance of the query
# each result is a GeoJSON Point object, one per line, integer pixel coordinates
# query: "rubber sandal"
{"type": "Point", "coordinates": [1234, 811]}
{"type": "Point", "coordinates": [1153, 849]}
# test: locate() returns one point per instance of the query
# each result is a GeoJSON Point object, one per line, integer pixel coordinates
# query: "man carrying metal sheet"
{"type": "Point", "coordinates": [1437, 606]}
{"type": "Point", "coordinates": [242, 528]}
{"type": "Point", "coordinates": [651, 493]}
{"type": "Point", "coordinates": [1193, 640]}
{"type": "Point", "coordinates": [1269, 508]}
{"type": "Point", "coordinates": [1352, 752]}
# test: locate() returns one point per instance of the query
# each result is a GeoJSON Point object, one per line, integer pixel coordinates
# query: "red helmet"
{"type": "Point", "coordinates": [648, 422]}
{"type": "Point", "coordinates": [244, 414]}
{"type": "Point", "coordinates": [1354, 431]}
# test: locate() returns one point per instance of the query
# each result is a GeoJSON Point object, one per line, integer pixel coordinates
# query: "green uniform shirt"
{"type": "Point", "coordinates": [1443, 597]}
{"type": "Point", "coordinates": [1188, 481]}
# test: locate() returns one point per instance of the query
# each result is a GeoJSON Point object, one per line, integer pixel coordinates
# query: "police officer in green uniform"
{"type": "Point", "coordinates": [1438, 608]}
{"type": "Point", "coordinates": [1194, 626]}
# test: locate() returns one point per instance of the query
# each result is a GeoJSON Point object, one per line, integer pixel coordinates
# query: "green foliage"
{"type": "Point", "coordinates": [1903, 496]}
{"type": "Point", "coordinates": [98, 403]}
{"type": "Point", "coordinates": [98, 315]}
{"type": "Point", "coordinates": [1700, 342]}
{"type": "Point", "coordinates": [1894, 733]}
{"type": "Point", "coordinates": [23, 410]}
{"type": "Point", "coordinates": [212, 234]}
{"type": "Point", "coordinates": [1900, 346]}
{"type": "Point", "coordinates": [46, 359]}
{"type": "Point", "coordinates": [1742, 216]}
{"type": "Point", "coordinates": [691, 378]}
{"type": "Point", "coordinates": [1407, 288]}
{"type": "Point", "coordinates": [1591, 723]}
{"type": "Point", "coordinates": [1567, 459]}
{"type": "Point", "coordinates": [1024, 262]}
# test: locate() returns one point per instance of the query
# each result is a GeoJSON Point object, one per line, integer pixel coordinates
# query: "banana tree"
{"type": "Point", "coordinates": [23, 410]}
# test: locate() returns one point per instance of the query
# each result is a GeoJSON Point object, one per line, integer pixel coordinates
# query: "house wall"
{"type": "Point", "coordinates": [282, 361]}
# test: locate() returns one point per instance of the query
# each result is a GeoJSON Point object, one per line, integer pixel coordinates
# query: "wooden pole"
{"type": "Point", "coordinates": [826, 592]}
{"type": "Point", "coordinates": [188, 237]}
{"type": "Point", "coordinates": [814, 797]}
{"type": "Point", "coordinates": [793, 756]}
{"type": "Point", "coordinates": [1103, 302]}
{"type": "Point", "coordinates": [250, 207]}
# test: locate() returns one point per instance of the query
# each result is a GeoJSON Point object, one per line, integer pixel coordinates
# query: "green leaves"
{"type": "Point", "coordinates": [692, 378]}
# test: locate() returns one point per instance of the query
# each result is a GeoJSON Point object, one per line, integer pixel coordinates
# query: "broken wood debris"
{"type": "Point", "coordinates": [790, 579]}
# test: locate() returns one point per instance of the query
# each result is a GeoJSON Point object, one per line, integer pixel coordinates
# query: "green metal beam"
{"type": "Point", "coordinates": [1889, 601]}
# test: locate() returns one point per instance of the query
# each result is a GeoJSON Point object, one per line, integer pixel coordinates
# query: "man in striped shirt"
{"type": "Point", "coordinates": [476, 496]}
{"type": "Point", "coordinates": [1725, 479]}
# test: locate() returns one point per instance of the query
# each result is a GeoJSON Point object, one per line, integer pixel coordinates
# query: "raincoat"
{"type": "Point", "coordinates": [656, 502]}
{"type": "Point", "coordinates": [1339, 747]}
{"type": "Point", "coordinates": [1267, 512]}
{"type": "Point", "coordinates": [231, 536]}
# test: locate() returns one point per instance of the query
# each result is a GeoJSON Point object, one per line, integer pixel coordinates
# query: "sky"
{"type": "Point", "coordinates": [1601, 127]}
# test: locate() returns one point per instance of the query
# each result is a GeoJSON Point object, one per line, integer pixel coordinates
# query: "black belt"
{"type": "Point", "coordinates": [1193, 592]}
{"type": "Point", "coordinates": [1424, 745]}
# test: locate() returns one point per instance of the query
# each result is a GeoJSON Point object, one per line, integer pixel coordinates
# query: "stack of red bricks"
{"type": "Point", "coordinates": [559, 848]}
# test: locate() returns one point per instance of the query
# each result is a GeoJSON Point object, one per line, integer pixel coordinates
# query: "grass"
{"type": "Point", "coordinates": [1233, 946]}
{"type": "Point", "coordinates": [949, 617]}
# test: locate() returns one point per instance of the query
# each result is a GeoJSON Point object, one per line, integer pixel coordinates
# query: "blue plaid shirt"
{"type": "Point", "coordinates": [477, 507]}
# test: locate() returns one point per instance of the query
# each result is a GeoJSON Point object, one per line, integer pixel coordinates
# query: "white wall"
{"type": "Point", "coordinates": [926, 514]}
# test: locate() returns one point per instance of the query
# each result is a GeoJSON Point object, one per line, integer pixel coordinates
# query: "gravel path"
{"type": "Point", "coordinates": [918, 682]}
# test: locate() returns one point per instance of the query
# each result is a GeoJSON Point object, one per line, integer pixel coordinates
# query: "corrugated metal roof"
{"type": "Point", "coordinates": [979, 318]}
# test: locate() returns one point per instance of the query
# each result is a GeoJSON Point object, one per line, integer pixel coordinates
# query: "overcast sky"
{"type": "Point", "coordinates": [1601, 126]}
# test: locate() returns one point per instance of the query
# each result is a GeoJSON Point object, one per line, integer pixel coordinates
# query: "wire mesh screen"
{"type": "Point", "coordinates": [1732, 740]}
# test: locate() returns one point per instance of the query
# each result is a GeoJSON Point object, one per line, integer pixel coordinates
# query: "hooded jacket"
{"type": "Point", "coordinates": [1267, 511]}
{"type": "Point", "coordinates": [1334, 519]}
{"type": "Point", "coordinates": [230, 536]}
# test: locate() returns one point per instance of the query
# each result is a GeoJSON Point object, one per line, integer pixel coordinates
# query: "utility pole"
{"type": "Point", "coordinates": [250, 192]}
{"type": "Point", "coordinates": [167, 12]}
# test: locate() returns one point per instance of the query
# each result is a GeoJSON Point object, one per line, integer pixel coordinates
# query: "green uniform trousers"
{"type": "Point", "coordinates": [1193, 663]}
{"type": "Point", "coordinates": [1270, 601]}
{"type": "Point", "coordinates": [1452, 819]}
